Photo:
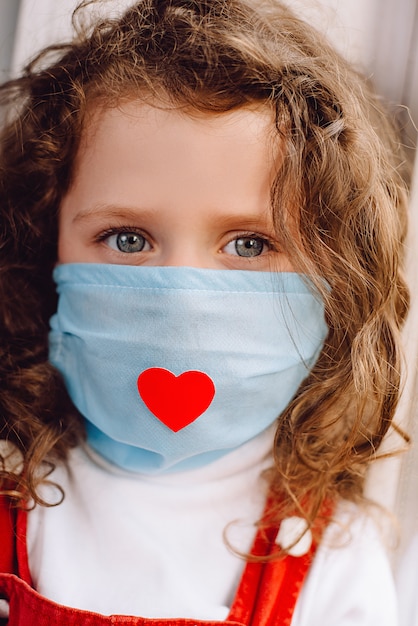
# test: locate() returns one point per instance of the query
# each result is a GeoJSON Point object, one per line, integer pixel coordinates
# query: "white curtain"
{"type": "Point", "coordinates": [43, 22]}
{"type": "Point", "coordinates": [350, 24]}
{"type": "Point", "coordinates": [8, 15]}
{"type": "Point", "coordinates": [406, 481]}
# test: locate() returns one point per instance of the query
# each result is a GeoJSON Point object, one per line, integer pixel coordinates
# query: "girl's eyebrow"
{"type": "Point", "coordinates": [242, 221]}
{"type": "Point", "coordinates": [121, 212]}
{"type": "Point", "coordinates": [101, 211]}
{"type": "Point", "coordinates": [111, 211]}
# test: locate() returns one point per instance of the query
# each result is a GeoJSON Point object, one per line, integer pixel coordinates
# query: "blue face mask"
{"type": "Point", "coordinates": [173, 367]}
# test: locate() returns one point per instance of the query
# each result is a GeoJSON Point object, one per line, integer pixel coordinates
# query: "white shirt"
{"type": "Point", "coordinates": [154, 546]}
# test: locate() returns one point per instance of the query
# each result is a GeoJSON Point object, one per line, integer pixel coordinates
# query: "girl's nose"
{"type": "Point", "coordinates": [188, 254]}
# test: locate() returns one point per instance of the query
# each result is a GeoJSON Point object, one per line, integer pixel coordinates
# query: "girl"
{"type": "Point", "coordinates": [216, 196]}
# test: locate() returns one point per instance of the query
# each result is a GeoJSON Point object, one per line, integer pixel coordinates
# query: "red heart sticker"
{"type": "Point", "coordinates": [176, 401]}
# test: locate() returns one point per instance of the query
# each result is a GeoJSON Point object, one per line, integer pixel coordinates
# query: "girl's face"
{"type": "Point", "coordinates": [161, 187]}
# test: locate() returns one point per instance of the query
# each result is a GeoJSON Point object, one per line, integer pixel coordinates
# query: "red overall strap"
{"type": "Point", "coordinates": [268, 591]}
{"type": "Point", "coordinates": [280, 584]}
{"type": "Point", "coordinates": [13, 550]}
{"type": "Point", "coordinates": [266, 595]}
{"type": "Point", "coordinates": [7, 535]}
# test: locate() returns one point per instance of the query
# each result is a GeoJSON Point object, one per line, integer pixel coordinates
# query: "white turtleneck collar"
{"type": "Point", "coordinates": [151, 546]}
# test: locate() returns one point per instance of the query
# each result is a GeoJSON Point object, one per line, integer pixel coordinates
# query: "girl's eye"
{"type": "Point", "coordinates": [128, 242]}
{"type": "Point", "coordinates": [249, 246]}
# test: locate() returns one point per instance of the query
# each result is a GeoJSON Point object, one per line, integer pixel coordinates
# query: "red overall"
{"type": "Point", "coordinates": [266, 595]}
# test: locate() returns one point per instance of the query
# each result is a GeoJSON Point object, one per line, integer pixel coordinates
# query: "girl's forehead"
{"type": "Point", "coordinates": [252, 123]}
{"type": "Point", "coordinates": [167, 157]}
{"type": "Point", "coordinates": [245, 138]}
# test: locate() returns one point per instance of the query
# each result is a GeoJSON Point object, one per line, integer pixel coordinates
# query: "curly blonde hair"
{"type": "Point", "coordinates": [341, 171]}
